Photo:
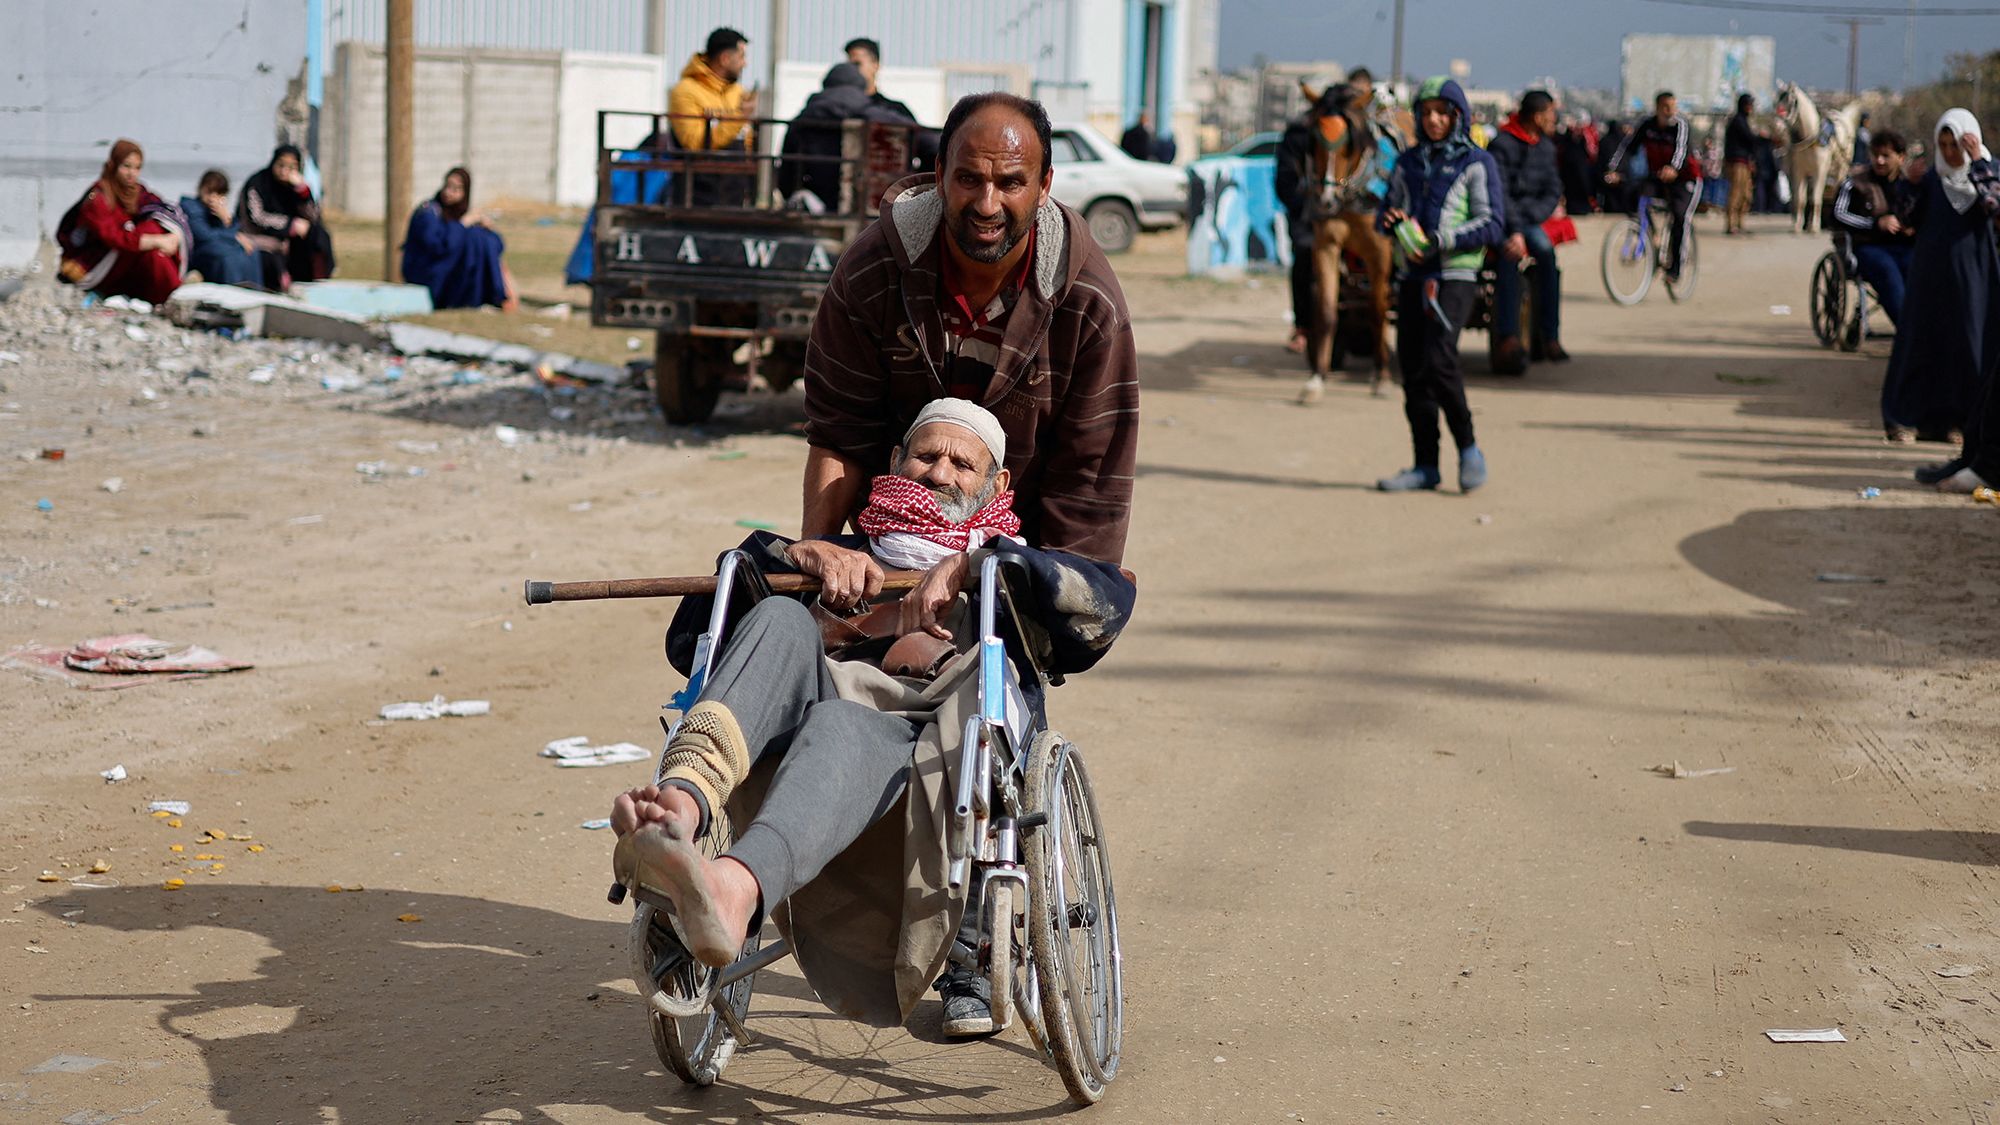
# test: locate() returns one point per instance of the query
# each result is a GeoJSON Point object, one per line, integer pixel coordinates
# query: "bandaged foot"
{"type": "Point", "coordinates": [711, 900]}
{"type": "Point", "coordinates": [708, 753]}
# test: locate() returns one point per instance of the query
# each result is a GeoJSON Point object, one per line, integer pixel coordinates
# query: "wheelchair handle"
{"type": "Point", "coordinates": [542, 593]}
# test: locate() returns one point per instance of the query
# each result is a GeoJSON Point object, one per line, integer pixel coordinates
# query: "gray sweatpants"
{"type": "Point", "coordinates": [843, 765]}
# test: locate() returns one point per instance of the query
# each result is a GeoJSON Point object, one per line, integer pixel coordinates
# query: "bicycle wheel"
{"type": "Point", "coordinates": [1626, 263]}
{"type": "Point", "coordinates": [1073, 922]}
{"type": "Point", "coordinates": [1682, 288]}
{"type": "Point", "coordinates": [689, 1035]}
{"type": "Point", "coordinates": [1828, 297]}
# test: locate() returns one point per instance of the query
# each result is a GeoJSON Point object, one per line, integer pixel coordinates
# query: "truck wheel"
{"type": "Point", "coordinates": [1113, 224]}
{"type": "Point", "coordinates": [686, 380]}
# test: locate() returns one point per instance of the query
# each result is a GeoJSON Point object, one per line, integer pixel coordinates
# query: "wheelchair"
{"type": "Point", "coordinates": [1025, 841]}
{"type": "Point", "coordinates": [1840, 300]}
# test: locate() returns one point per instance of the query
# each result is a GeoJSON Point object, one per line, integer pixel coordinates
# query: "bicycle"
{"type": "Point", "coordinates": [1634, 251]}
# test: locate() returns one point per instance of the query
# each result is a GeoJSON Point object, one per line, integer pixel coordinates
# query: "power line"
{"type": "Point", "coordinates": [1827, 9]}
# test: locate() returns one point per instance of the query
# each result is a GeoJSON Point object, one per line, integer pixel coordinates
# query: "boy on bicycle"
{"type": "Point", "coordinates": [1672, 172]}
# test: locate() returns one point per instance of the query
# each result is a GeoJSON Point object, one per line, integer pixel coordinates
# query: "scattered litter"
{"type": "Point", "coordinates": [137, 333]}
{"type": "Point", "coordinates": [53, 454]}
{"type": "Point", "coordinates": [342, 381]}
{"type": "Point", "coordinates": [1482, 518]}
{"type": "Point", "coordinates": [578, 752]}
{"type": "Point", "coordinates": [1839, 578]}
{"type": "Point", "coordinates": [1680, 772]}
{"type": "Point", "coordinates": [1745, 380]}
{"type": "Point", "coordinates": [731, 455]}
{"type": "Point", "coordinates": [67, 1064]}
{"type": "Point", "coordinates": [115, 773]}
{"type": "Point", "coordinates": [632, 344]}
{"type": "Point", "coordinates": [1985, 495]}
{"type": "Point", "coordinates": [113, 484]}
{"type": "Point", "coordinates": [418, 447]}
{"type": "Point", "coordinates": [336, 888]}
{"type": "Point", "coordinates": [173, 884]}
{"type": "Point", "coordinates": [1806, 1035]}
{"type": "Point", "coordinates": [99, 868]}
{"type": "Point", "coordinates": [48, 877]}
{"type": "Point", "coordinates": [45, 505]}
{"type": "Point", "coordinates": [1870, 493]}
{"type": "Point", "coordinates": [409, 917]}
{"type": "Point", "coordinates": [171, 808]}
{"type": "Point", "coordinates": [437, 708]}
{"type": "Point", "coordinates": [371, 468]}
{"type": "Point", "coordinates": [393, 373]}
{"type": "Point", "coordinates": [1781, 310]}
{"type": "Point", "coordinates": [466, 377]}
{"type": "Point", "coordinates": [301, 521]}
{"type": "Point", "coordinates": [506, 435]}
{"type": "Point", "coordinates": [562, 413]}
{"type": "Point", "coordinates": [10, 357]}
{"type": "Point", "coordinates": [136, 652]}
{"type": "Point", "coordinates": [35, 949]}
{"type": "Point", "coordinates": [1959, 970]}
{"type": "Point", "coordinates": [580, 506]}
{"type": "Point", "coordinates": [264, 374]}
{"type": "Point", "coordinates": [757, 525]}
{"type": "Point", "coordinates": [594, 825]}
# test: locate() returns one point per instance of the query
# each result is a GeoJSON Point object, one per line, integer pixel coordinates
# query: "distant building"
{"type": "Point", "coordinates": [1260, 99]}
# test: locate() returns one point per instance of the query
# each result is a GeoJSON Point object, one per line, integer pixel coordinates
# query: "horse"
{"type": "Point", "coordinates": [1814, 146]}
{"type": "Point", "coordinates": [1345, 157]}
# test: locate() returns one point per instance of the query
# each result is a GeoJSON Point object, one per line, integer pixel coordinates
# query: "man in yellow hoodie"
{"type": "Point", "coordinates": [710, 109]}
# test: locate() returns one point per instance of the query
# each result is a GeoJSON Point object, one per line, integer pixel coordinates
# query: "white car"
{"type": "Point", "coordinates": [1117, 195]}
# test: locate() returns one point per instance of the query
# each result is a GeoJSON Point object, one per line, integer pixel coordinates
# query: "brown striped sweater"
{"type": "Point", "coordinates": [1066, 387]}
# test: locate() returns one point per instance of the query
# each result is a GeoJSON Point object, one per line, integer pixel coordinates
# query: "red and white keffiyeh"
{"type": "Point", "coordinates": [907, 528]}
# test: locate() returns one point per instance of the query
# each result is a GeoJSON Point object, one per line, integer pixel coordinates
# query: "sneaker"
{"type": "Point", "coordinates": [968, 1013]}
{"type": "Point", "coordinates": [1934, 474]}
{"type": "Point", "coordinates": [1964, 480]}
{"type": "Point", "coordinates": [1471, 469]}
{"type": "Point", "coordinates": [1555, 352]}
{"type": "Point", "coordinates": [1419, 479]}
{"type": "Point", "coordinates": [1899, 435]}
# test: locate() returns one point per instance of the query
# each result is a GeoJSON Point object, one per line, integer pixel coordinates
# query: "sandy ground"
{"type": "Point", "coordinates": [1376, 768]}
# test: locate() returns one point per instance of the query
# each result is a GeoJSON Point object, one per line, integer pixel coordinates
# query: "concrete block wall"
{"type": "Point", "coordinates": [523, 122]}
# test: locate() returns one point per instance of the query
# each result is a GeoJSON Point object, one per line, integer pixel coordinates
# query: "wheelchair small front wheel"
{"type": "Point", "coordinates": [1073, 922]}
{"type": "Point", "coordinates": [689, 1035]}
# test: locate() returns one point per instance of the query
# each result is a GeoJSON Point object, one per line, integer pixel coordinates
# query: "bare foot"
{"type": "Point", "coordinates": [650, 804]}
{"type": "Point", "coordinates": [1297, 344]}
{"type": "Point", "coordinates": [711, 899]}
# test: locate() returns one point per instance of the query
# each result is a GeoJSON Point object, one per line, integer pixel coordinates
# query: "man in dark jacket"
{"type": "Point", "coordinates": [1138, 140]}
{"type": "Point", "coordinates": [1445, 209]}
{"type": "Point", "coordinates": [1525, 150]}
{"type": "Point", "coordinates": [813, 142]}
{"type": "Point", "coordinates": [1877, 210]}
{"type": "Point", "coordinates": [1673, 174]}
{"type": "Point", "coordinates": [1739, 160]}
{"type": "Point", "coordinates": [866, 55]}
{"type": "Point", "coordinates": [1295, 151]}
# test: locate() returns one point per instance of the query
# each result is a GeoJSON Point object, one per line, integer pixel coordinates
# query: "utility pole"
{"type": "Point", "coordinates": [1854, 25]}
{"type": "Point", "coordinates": [1909, 45]}
{"type": "Point", "coordinates": [656, 27]}
{"type": "Point", "coordinates": [1396, 52]}
{"type": "Point", "coordinates": [400, 131]}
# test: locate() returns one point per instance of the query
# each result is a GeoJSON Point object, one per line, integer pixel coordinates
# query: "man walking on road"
{"type": "Point", "coordinates": [1739, 159]}
{"type": "Point", "coordinates": [1525, 151]}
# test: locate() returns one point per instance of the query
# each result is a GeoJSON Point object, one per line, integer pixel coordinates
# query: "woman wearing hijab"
{"type": "Point", "coordinates": [219, 252]}
{"type": "Point", "coordinates": [1949, 338]}
{"type": "Point", "coordinates": [454, 251]}
{"type": "Point", "coordinates": [120, 239]}
{"type": "Point", "coordinates": [282, 218]}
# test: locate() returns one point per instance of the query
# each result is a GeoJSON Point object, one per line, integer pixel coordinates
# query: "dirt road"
{"type": "Point", "coordinates": [1377, 768]}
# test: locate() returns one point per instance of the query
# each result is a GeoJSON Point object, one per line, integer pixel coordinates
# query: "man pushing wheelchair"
{"type": "Point", "coordinates": [971, 392]}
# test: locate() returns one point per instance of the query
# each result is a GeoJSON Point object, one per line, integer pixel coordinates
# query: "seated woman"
{"type": "Point", "coordinates": [220, 253]}
{"type": "Point", "coordinates": [455, 252]}
{"type": "Point", "coordinates": [120, 239]}
{"type": "Point", "coordinates": [282, 218]}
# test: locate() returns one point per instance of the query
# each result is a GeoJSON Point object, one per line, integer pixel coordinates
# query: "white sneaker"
{"type": "Point", "coordinates": [1963, 481]}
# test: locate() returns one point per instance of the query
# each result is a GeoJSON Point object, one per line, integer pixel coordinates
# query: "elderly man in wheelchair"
{"type": "Point", "coordinates": [819, 776]}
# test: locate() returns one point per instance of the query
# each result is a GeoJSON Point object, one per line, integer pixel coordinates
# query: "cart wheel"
{"type": "Point", "coordinates": [690, 1036]}
{"type": "Point", "coordinates": [1829, 297]}
{"type": "Point", "coordinates": [999, 906]}
{"type": "Point", "coordinates": [1073, 922]}
{"type": "Point", "coordinates": [686, 378]}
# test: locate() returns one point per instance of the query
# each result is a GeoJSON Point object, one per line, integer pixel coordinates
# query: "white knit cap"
{"type": "Point", "coordinates": [966, 414]}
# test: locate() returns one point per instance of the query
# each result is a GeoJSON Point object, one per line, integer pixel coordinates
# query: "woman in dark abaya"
{"type": "Point", "coordinates": [1946, 346]}
{"type": "Point", "coordinates": [282, 218]}
{"type": "Point", "coordinates": [454, 251]}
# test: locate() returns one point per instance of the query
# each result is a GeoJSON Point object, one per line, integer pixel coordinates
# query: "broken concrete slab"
{"type": "Point", "coordinates": [375, 300]}
{"type": "Point", "coordinates": [207, 305]}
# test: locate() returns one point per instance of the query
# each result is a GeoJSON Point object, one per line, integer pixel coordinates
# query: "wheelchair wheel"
{"type": "Point", "coordinates": [1627, 265]}
{"type": "Point", "coordinates": [1829, 299]}
{"type": "Point", "coordinates": [1073, 922]}
{"type": "Point", "coordinates": [690, 1036]}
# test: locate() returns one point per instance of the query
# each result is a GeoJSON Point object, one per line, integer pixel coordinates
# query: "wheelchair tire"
{"type": "Point", "coordinates": [999, 906]}
{"type": "Point", "coordinates": [1829, 299]}
{"type": "Point", "coordinates": [1073, 922]}
{"type": "Point", "coordinates": [698, 1046]}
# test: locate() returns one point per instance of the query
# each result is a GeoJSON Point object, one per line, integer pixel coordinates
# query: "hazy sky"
{"type": "Point", "coordinates": [1511, 43]}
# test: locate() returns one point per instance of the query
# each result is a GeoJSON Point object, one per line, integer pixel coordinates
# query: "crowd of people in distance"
{"type": "Point", "coordinates": [122, 240]}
